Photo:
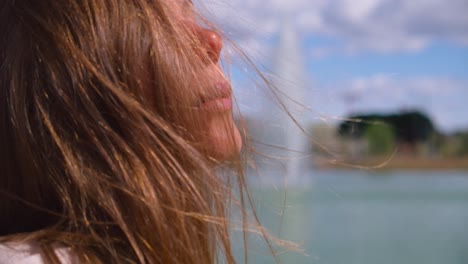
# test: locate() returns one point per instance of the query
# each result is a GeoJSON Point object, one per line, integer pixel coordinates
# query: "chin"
{"type": "Point", "coordinates": [223, 142]}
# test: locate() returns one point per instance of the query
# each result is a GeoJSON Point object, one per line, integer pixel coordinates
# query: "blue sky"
{"type": "Point", "coordinates": [362, 55]}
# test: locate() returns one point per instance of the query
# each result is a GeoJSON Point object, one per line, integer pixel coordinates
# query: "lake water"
{"type": "Point", "coordinates": [359, 217]}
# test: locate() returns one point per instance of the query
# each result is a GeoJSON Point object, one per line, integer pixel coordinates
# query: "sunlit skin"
{"type": "Point", "coordinates": [212, 102]}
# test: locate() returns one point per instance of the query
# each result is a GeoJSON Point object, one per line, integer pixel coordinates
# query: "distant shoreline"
{"type": "Point", "coordinates": [403, 162]}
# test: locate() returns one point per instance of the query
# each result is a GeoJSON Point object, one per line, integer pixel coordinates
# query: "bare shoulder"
{"type": "Point", "coordinates": [24, 253]}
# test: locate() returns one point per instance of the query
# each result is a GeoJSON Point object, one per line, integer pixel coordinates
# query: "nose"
{"type": "Point", "coordinates": [212, 43]}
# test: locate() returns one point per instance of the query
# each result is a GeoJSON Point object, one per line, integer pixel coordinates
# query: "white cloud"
{"type": "Point", "coordinates": [359, 10]}
{"type": "Point", "coordinates": [359, 25]}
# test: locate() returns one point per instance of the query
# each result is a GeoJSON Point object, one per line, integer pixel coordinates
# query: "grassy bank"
{"type": "Point", "coordinates": [387, 163]}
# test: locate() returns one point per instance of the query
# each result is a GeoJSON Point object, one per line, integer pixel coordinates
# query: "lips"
{"type": "Point", "coordinates": [219, 100]}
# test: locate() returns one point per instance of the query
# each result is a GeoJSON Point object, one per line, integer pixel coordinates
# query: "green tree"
{"type": "Point", "coordinates": [464, 145]}
{"type": "Point", "coordinates": [381, 139]}
{"type": "Point", "coordinates": [410, 128]}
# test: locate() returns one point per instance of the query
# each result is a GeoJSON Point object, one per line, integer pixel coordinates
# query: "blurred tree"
{"type": "Point", "coordinates": [410, 128]}
{"type": "Point", "coordinates": [464, 145]}
{"type": "Point", "coordinates": [356, 125]}
{"type": "Point", "coordinates": [380, 138]}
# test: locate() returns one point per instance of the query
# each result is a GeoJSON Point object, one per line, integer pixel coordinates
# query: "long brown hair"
{"type": "Point", "coordinates": [89, 159]}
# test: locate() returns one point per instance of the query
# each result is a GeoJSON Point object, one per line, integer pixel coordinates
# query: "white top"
{"type": "Point", "coordinates": [21, 253]}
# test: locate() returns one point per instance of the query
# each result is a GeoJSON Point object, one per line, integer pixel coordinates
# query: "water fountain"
{"type": "Point", "coordinates": [291, 150]}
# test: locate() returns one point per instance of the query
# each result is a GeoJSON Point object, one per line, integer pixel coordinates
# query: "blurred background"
{"type": "Point", "coordinates": [379, 173]}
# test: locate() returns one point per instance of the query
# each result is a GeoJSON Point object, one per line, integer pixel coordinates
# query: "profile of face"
{"type": "Point", "coordinates": [215, 131]}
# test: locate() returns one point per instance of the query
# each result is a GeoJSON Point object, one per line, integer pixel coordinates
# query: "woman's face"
{"type": "Point", "coordinates": [212, 94]}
